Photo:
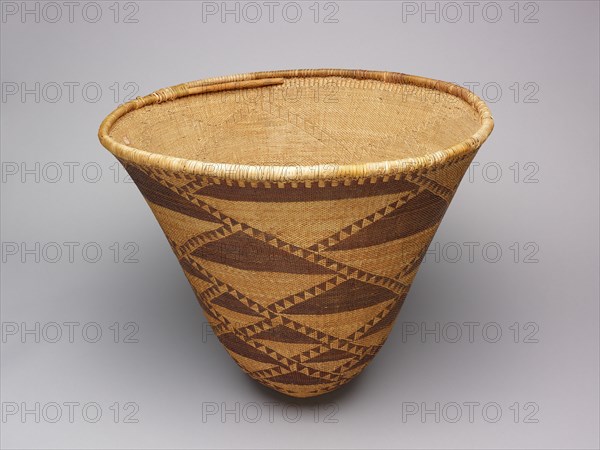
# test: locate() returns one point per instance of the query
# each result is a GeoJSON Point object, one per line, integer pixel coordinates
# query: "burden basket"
{"type": "Point", "coordinates": [300, 204]}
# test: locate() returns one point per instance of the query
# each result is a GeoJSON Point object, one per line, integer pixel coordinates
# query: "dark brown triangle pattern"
{"type": "Point", "coordinates": [228, 301]}
{"type": "Point", "coordinates": [348, 296]}
{"type": "Point", "coordinates": [422, 212]}
{"type": "Point", "coordinates": [244, 252]}
{"type": "Point", "coordinates": [331, 355]}
{"type": "Point", "coordinates": [281, 333]}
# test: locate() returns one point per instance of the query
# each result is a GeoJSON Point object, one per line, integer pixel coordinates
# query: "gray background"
{"type": "Point", "coordinates": [171, 369]}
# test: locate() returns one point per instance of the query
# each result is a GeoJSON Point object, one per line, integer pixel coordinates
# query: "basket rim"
{"type": "Point", "coordinates": [292, 173]}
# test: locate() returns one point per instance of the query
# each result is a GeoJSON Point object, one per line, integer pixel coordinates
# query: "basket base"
{"type": "Point", "coordinates": [320, 369]}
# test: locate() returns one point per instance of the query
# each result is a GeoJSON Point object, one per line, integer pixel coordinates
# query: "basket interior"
{"type": "Point", "coordinates": [304, 121]}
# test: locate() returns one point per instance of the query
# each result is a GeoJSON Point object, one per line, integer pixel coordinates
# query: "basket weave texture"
{"type": "Point", "coordinates": [300, 205]}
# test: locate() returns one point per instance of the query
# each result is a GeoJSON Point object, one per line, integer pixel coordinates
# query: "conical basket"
{"type": "Point", "coordinates": [300, 204]}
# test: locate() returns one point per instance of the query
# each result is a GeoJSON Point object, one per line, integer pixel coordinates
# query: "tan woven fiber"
{"type": "Point", "coordinates": [300, 204]}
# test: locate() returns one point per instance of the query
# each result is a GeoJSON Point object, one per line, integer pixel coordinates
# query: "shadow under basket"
{"type": "Point", "coordinates": [300, 204]}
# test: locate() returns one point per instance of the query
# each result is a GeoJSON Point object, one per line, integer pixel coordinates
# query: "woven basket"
{"type": "Point", "coordinates": [300, 204]}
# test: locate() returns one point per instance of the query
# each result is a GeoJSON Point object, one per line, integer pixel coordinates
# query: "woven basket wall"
{"type": "Point", "coordinates": [300, 205]}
